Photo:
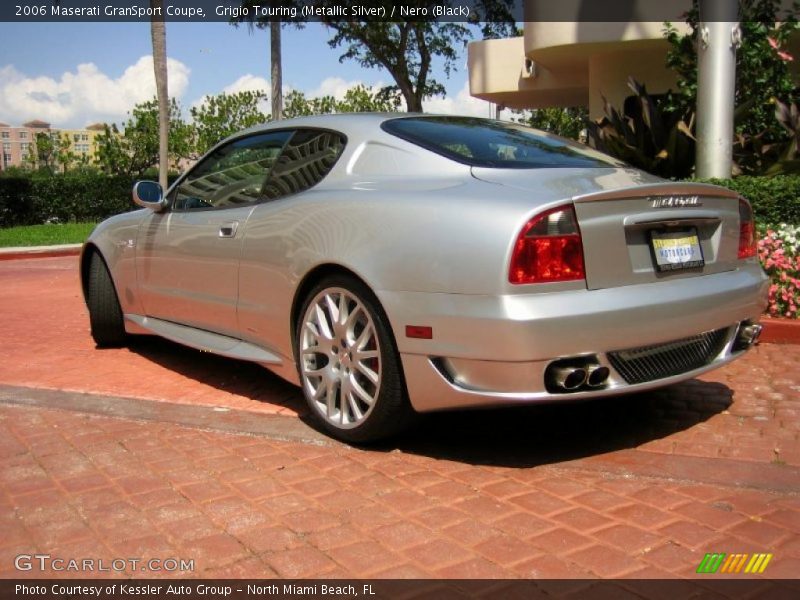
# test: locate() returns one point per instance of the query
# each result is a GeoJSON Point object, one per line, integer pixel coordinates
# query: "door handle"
{"type": "Point", "coordinates": [228, 230]}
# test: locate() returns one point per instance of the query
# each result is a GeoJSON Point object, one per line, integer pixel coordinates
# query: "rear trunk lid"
{"type": "Point", "coordinates": [637, 228]}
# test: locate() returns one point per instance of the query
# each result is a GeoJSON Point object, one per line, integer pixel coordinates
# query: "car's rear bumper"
{"type": "Point", "coordinates": [489, 350]}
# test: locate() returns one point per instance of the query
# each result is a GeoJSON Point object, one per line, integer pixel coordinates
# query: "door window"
{"type": "Point", "coordinates": [232, 175]}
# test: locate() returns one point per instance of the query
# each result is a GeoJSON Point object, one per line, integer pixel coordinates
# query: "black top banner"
{"type": "Point", "coordinates": [346, 10]}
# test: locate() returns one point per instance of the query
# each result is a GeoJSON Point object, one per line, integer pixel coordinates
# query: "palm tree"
{"type": "Point", "coordinates": [276, 69]}
{"type": "Point", "coordinates": [158, 32]}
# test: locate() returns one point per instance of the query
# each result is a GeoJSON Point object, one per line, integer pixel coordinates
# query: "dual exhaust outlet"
{"type": "Point", "coordinates": [570, 378]}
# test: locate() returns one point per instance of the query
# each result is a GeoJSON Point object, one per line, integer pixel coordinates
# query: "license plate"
{"type": "Point", "coordinates": [676, 250]}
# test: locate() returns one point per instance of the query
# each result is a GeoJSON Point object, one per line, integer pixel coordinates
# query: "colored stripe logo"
{"type": "Point", "coordinates": [720, 562]}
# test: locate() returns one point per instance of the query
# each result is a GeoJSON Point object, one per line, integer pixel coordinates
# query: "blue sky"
{"type": "Point", "coordinates": [78, 73]}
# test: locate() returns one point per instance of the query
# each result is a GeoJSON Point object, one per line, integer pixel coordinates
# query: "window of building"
{"type": "Point", "coordinates": [7, 158]}
{"type": "Point", "coordinates": [24, 147]}
{"type": "Point", "coordinates": [84, 137]}
{"type": "Point", "coordinates": [6, 146]}
{"type": "Point", "coordinates": [76, 137]}
{"type": "Point", "coordinates": [5, 135]}
{"type": "Point", "coordinates": [23, 135]}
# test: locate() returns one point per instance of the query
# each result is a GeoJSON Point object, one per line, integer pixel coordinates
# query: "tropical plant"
{"type": "Point", "coordinates": [567, 122]}
{"type": "Point", "coordinates": [355, 99]}
{"type": "Point", "coordinates": [362, 99]}
{"type": "Point", "coordinates": [789, 159]}
{"type": "Point", "coordinates": [224, 114]}
{"type": "Point", "coordinates": [133, 147]}
{"type": "Point", "coordinates": [646, 135]}
{"type": "Point", "coordinates": [762, 75]}
{"type": "Point", "coordinates": [50, 152]}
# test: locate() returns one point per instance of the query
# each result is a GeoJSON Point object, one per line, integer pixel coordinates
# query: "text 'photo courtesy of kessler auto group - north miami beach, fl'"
{"type": "Point", "coordinates": [323, 299]}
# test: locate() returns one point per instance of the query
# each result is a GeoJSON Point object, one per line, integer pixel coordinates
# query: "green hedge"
{"type": "Point", "coordinates": [16, 206]}
{"type": "Point", "coordinates": [774, 199]}
{"type": "Point", "coordinates": [81, 197]}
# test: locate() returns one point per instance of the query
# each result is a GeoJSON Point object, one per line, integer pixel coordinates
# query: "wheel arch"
{"type": "Point", "coordinates": [88, 251]}
{"type": "Point", "coordinates": [308, 282]}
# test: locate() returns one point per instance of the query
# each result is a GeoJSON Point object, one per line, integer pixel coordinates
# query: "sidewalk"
{"type": "Point", "coordinates": [242, 506]}
{"type": "Point", "coordinates": [192, 466]}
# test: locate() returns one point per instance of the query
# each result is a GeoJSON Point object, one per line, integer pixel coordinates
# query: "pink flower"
{"type": "Point", "coordinates": [775, 46]}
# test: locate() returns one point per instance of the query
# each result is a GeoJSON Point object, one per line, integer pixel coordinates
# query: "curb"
{"type": "Point", "coordinates": [40, 252]}
{"type": "Point", "coordinates": [780, 331]}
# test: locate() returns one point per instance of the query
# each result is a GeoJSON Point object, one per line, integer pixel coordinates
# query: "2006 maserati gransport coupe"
{"type": "Point", "coordinates": [393, 264]}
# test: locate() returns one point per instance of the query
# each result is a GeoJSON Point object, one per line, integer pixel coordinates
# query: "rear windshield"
{"type": "Point", "coordinates": [496, 144]}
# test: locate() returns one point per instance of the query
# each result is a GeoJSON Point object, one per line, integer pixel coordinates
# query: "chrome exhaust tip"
{"type": "Point", "coordinates": [597, 376]}
{"type": "Point", "coordinates": [569, 378]}
{"type": "Point", "coordinates": [749, 334]}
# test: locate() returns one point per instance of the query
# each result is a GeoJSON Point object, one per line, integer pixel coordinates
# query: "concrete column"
{"type": "Point", "coordinates": [718, 39]}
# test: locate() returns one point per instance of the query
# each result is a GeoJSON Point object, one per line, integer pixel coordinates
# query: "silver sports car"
{"type": "Point", "coordinates": [393, 264]}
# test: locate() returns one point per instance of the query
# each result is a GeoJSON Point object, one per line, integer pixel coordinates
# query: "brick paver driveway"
{"type": "Point", "coordinates": [638, 486]}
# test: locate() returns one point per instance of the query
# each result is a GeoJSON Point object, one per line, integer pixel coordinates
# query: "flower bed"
{"type": "Point", "coordinates": [779, 251]}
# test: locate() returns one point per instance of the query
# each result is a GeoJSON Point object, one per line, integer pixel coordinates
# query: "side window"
{"type": "Point", "coordinates": [233, 175]}
{"type": "Point", "coordinates": [307, 159]}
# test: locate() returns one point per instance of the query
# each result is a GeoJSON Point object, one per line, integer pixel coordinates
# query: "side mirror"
{"type": "Point", "coordinates": [150, 195]}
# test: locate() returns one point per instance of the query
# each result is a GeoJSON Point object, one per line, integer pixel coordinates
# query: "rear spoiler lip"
{"type": "Point", "coordinates": [651, 190]}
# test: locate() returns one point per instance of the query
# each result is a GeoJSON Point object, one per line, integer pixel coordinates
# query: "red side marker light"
{"type": "Point", "coordinates": [419, 331]}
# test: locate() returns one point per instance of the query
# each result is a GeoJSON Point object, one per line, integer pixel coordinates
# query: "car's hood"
{"type": "Point", "coordinates": [565, 183]}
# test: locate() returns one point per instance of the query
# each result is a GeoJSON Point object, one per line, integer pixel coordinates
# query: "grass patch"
{"type": "Point", "coordinates": [45, 235]}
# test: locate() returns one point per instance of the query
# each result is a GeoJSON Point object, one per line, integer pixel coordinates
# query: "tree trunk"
{"type": "Point", "coordinates": [158, 33]}
{"type": "Point", "coordinates": [277, 70]}
{"type": "Point", "coordinates": [414, 103]}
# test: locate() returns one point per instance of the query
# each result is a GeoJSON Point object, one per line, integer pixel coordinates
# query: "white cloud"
{"type": "Point", "coordinates": [337, 87]}
{"type": "Point", "coordinates": [245, 83]}
{"type": "Point", "coordinates": [85, 95]}
{"type": "Point", "coordinates": [249, 83]}
{"type": "Point", "coordinates": [460, 104]}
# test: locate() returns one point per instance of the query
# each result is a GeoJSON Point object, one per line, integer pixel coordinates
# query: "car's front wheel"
{"type": "Point", "coordinates": [105, 314]}
{"type": "Point", "coordinates": [348, 362]}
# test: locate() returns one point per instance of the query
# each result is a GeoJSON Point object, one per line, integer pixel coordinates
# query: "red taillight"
{"type": "Point", "coordinates": [747, 231]}
{"type": "Point", "coordinates": [548, 249]}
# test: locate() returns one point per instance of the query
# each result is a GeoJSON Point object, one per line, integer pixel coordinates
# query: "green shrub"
{"type": "Point", "coordinates": [80, 198]}
{"type": "Point", "coordinates": [86, 196]}
{"type": "Point", "coordinates": [775, 199]}
{"type": "Point", "coordinates": [16, 202]}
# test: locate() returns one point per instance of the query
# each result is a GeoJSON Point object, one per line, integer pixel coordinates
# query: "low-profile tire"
{"type": "Point", "coordinates": [105, 314]}
{"type": "Point", "coordinates": [348, 363]}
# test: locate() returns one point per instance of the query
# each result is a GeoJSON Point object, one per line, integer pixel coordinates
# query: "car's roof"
{"type": "Point", "coordinates": [344, 122]}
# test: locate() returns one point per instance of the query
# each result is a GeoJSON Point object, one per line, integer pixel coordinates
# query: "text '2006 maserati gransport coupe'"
{"type": "Point", "coordinates": [393, 264]}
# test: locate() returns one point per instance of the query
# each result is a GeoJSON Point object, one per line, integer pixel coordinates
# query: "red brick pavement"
{"type": "Point", "coordinates": [76, 485]}
{"type": "Point", "coordinates": [640, 486]}
{"type": "Point", "coordinates": [46, 344]}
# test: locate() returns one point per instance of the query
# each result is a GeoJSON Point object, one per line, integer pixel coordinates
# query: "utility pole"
{"type": "Point", "coordinates": [719, 37]}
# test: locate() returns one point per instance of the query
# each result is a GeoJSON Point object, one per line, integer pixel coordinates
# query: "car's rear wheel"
{"type": "Point", "coordinates": [105, 314]}
{"type": "Point", "coordinates": [348, 362]}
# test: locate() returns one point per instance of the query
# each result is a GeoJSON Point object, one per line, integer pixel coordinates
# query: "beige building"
{"type": "Point", "coordinates": [565, 64]}
{"type": "Point", "coordinates": [18, 142]}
